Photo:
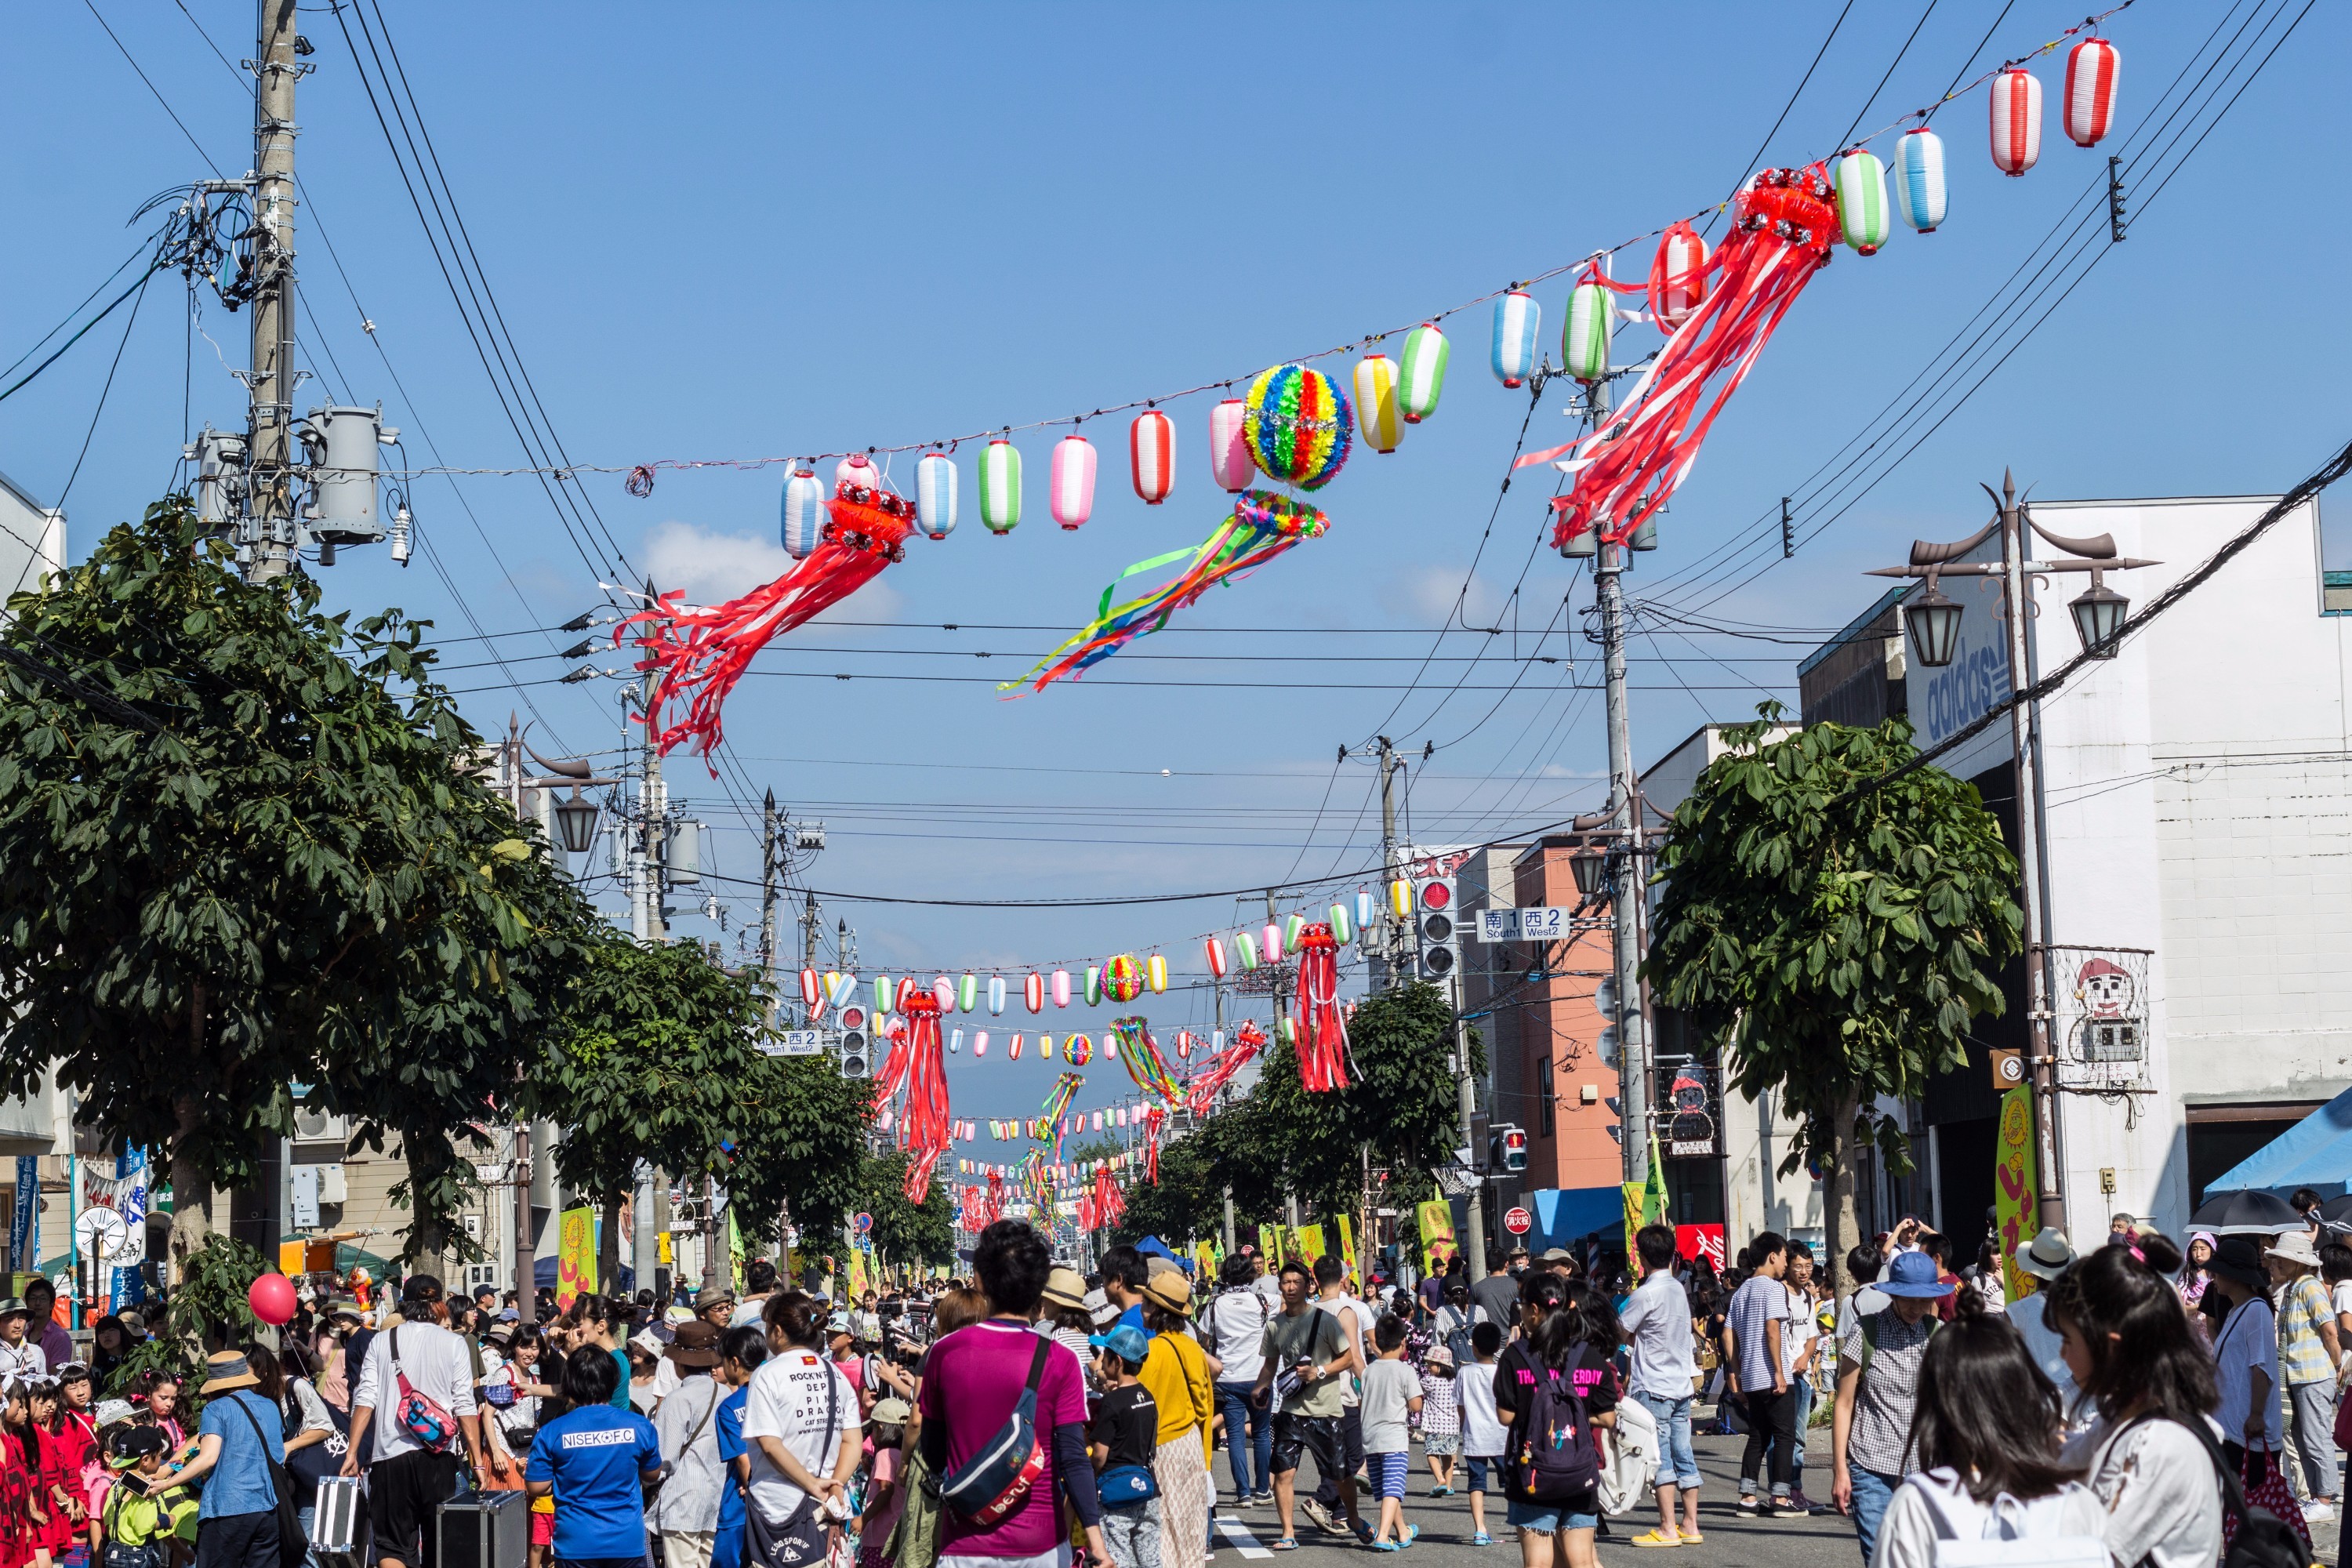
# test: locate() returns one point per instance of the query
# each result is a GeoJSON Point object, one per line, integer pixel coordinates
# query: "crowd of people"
{"type": "Point", "coordinates": [2137, 1399]}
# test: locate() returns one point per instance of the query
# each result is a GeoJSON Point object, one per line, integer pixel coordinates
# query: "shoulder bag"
{"type": "Point", "coordinates": [995, 1479]}
{"type": "Point", "coordinates": [293, 1546]}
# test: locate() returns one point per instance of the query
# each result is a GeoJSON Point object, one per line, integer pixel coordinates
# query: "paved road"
{"type": "Point", "coordinates": [1823, 1540]}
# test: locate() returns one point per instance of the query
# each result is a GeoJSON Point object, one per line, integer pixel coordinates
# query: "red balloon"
{"type": "Point", "coordinates": [271, 1297]}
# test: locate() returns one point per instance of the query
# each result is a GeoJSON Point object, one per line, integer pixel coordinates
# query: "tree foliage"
{"type": "Point", "coordinates": [800, 1150]}
{"type": "Point", "coordinates": [904, 1233]}
{"type": "Point", "coordinates": [1838, 943]}
{"type": "Point", "coordinates": [237, 838]}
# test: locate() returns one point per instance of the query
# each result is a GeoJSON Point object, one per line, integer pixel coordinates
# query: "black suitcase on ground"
{"type": "Point", "coordinates": [484, 1530]}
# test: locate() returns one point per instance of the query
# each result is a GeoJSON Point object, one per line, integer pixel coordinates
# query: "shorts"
{"type": "Point", "coordinates": [542, 1530]}
{"type": "Point", "coordinates": [1316, 1435]}
{"type": "Point", "coordinates": [1387, 1471]}
{"type": "Point", "coordinates": [1477, 1464]}
{"type": "Point", "coordinates": [1441, 1442]}
{"type": "Point", "coordinates": [1550, 1517]}
{"type": "Point", "coordinates": [405, 1493]}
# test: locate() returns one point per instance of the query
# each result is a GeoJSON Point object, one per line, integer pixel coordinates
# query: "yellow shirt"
{"type": "Point", "coordinates": [1176, 1373]}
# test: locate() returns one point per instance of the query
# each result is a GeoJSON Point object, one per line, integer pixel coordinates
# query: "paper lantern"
{"type": "Point", "coordinates": [1270, 943]}
{"type": "Point", "coordinates": [995, 995]}
{"type": "Point", "coordinates": [1296, 422]}
{"type": "Point", "coordinates": [1584, 337]}
{"type": "Point", "coordinates": [1070, 492]}
{"type": "Point", "coordinates": [1376, 403]}
{"type": "Point", "coordinates": [955, 1042]}
{"type": "Point", "coordinates": [979, 1043]}
{"type": "Point", "coordinates": [2093, 68]}
{"type": "Point", "coordinates": [967, 992]}
{"type": "Point", "coordinates": [943, 991]}
{"type": "Point", "coordinates": [1046, 1046]}
{"type": "Point", "coordinates": [1246, 946]}
{"type": "Point", "coordinates": [935, 494]}
{"type": "Point", "coordinates": [1919, 179]}
{"type": "Point", "coordinates": [1094, 986]}
{"type": "Point", "coordinates": [1421, 378]}
{"type": "Point", "coordinates": [1155, 973]}
{"type": "Point", "coordinates": [1292, 925]}
{"type": "Point", "coordinates": [1061, 988]}
{"type": "Point", "coordinates": [1216, 950]}
{"type": "Point", "coordinates": [1863, 217]}
{"type": "Point", "coordinates": [856, 471]}
{"type": "Point", "coordinates": [1517, 320]}
{"type": "Point", "coordinates": [804, 513]}
{"type": "Point", "coordinates": [2016, 104]}
{"type": "Point", "coordinates": [1012, 1051]}
{"type": "Point", "coordinates": [1400, 899]}
{"type": "Point", "coordinates": [1000, 487]}
{"type": "Point", "coordinates": [1033, 991]}
{"type": "Point", "coordinates": [1363, 909]}
{"type": "Point", "coordinates": [1152, 455]}
{"type": "Point", "coordinates": [1339, 928]}
{"type": "Point", "coordinates": [1123, 978]}
{"type": "Point", "coordinates": [1229, 454]}
{"type": "Point", "coordinates": [811, 989]}
{"type": "Point", "coordinates": [1679, 276]}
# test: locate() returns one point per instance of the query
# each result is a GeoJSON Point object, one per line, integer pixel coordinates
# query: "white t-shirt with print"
{"type": "Point", "coordinates": [787, 1402]}
{"type": "Point", "coordinates": [436, 1364]}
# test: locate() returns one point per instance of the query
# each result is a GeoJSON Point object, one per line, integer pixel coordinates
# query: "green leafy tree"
{"type": "Point", "coordinates": [1838, 943]}
{"type": "Point", "coordinates": [800, 1151]}
{"type": "Point", "coordinates": [906, 1235]}
{"type": "Point", "coordinates": [654, 1047]}
{"type": "Point", "coordinates": [235, 839]}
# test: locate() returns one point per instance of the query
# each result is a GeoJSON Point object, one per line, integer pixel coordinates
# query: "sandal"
{"type": "Point", "coordinates": [1286, 1543]}
{"type": "Point", "coordinates": [1412, 1534]}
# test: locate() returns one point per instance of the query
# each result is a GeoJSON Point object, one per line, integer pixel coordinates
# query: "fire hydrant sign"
{"type": "Point", "coordinates": [1518, 1221]}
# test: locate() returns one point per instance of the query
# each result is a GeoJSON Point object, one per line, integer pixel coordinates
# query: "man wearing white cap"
{"type": "Point", "coordinates": [2042, 1260]}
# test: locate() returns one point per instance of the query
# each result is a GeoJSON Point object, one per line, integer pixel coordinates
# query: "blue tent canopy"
{"type": "Point", "coordinates": [1566, 1216]}
{"type": "Point", "coordinates": [2316, 1153]}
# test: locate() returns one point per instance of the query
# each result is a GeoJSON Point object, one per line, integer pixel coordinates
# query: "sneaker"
{"type": "Point", "coordinates": [1791, 1507]}
{"type": "Point", "coordinates": [2318, 1509]}
{"type": "Point", "coordinates": [1262, 1500]}
{"type": "Point", "coordinates": [1746, 1508]}
{"type": "Point", "coordinates": [1319, 1515]}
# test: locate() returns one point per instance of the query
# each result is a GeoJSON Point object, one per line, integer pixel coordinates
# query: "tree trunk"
{"type": "Point", "coordinates": [718, 1267]}
{"type": "Point", "coordinates": [192, 1185]}
{"type": "Point", "coordinates": [1841, 1219]}
{"type": "Point", "coordinates": [430, 1161]}
{"type": "Point", "coordinates": [608, 1250]}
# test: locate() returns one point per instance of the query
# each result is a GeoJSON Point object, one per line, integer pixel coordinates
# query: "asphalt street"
{"type": "Point", "coordinates": [1823, 1540]}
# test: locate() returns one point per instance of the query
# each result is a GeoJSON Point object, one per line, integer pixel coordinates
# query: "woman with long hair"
{"type": "Point", "coordinates": [2246, 1350]}
{"type": "Point", "coordinates": [57, 1487]}
{"type": "Point", "coordinates": [23, 1520]}
{"type": "Point", "coordinates": [1985, 1436]}
{"type": "Point", "coordinates": [1183, 1389]}
{"type": "Point", "coordinates": [2137, 1359]}
{"type": "Point", "coordinates": [1562, 1346]}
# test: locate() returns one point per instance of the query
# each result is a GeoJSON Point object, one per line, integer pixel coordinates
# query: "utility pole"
{"type": "Point", "coordinates": [1217, 992]}
{"type": "Point", "coordinates": [269, 552]}
{"type": "Point", "coordinates": [1396, 936]}
{"type": "Point", "coordinates": [768, 888]}
{"type": "Point", "coordinates": [653, 805]}
{"type": "Point", "coordinates": [1290, 1195]}
{"type": "Point", "coordinates": [526, 1257]}
{"type": "Point", "coordinates": [1466, 1103]}
{"type": "Point", "coordinates": [1624, 905]}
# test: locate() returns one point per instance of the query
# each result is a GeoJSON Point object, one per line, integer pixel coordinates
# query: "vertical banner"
{"type": "Point", "coordinates": [1635, 1194]}
{"type": "Point", "coordinates": [735, 1245]}
{"type": "Point", "coordinates": [1438, 1245]}
{"type": "Point", "coordinates": [2015, 1210]}
{"type": "Point", "coordinates": [1307, 1243]}
{"type": "Point", "coordinates": [860, 1281]}
{"type": "Point", "coordinates": [575, 1258]}
{"type": "Point", "coordinates": [1204, 1260]}
{"type": "Point", "coordinates": [129, 1286]}
{"type": "Point", "coordinates": [1347, 1252]}
{"type": "Point", "coordinates": [1269, 1246]}
{"type": "Point", "coordinates": [24, 1224]}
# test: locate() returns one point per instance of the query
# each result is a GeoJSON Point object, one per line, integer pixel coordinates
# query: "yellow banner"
{"type": "Point", "coordinates": [1269, 1246]}
{"type": "Point", "coordinates": [860, 1277]}
{"type": "Point", "coordinates": [575, 1259]}
{"type": "Point", "coordinates": [1348, 1247]}
{"type": "Point", "coordinates": [1635, 1193]}
{"type": "Point", "coordinates": [2016, 1210]}
{"type": "Point", "coordinates": [1437, 1244]}
{"type": "Point", "coordinates": [1310, 1244]}
{"type": "Point", "coordinates": [1204, 1257]}
{"type": "Point", "coordinates": [662, 1254]}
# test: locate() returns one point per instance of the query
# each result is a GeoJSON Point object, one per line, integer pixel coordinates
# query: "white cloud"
{"type": "Point", "coordinates": [712, 568]}
{"type": "Point", "coordinates": [1425, 595]}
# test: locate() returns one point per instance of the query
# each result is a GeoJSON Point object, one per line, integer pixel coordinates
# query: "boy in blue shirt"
{"type": "Point", "coordinates": [596, 1461]}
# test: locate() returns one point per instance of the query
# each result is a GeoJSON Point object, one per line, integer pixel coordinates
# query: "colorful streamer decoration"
{"type": "Point", "coordinates": [1211, 1079]}
{"type": "Point", "coordinates": [1154, 1119]}
{"type": "Point", "coordinates": [1296, 423]}
{"type": "Point", "coordinates": [1140, 1055]}
{"type": "Point", "coordinates": [700, 653]}
{"type": "Point", "coordinates": [1322, 1030]}
{"type": "Point", "coordinates": [923, 1129]}
{"type": "Point", "coordinates": [1786, 222]}
{"type": "Point", "coordinates": [1262, 526]}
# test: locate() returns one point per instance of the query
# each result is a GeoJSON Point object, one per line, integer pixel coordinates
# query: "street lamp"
{"type": "Point", "coordinates": [2099, 617]}
{"type": "Point", "coordinates": [575, 822]}
{"type": "Point", "coordinates": [1591, 867]}
{"type": "Point", "coordinates": [1934, 622]}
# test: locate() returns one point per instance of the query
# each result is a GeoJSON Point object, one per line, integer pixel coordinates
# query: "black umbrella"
{"type": "Point", "coordinates": [2251, 1213]}
{"type": "Point", "coordinates": [2338, 1211]}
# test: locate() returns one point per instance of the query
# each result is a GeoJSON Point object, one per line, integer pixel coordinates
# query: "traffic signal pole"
{"type": "Point", "coordinates": [1468, 1103]}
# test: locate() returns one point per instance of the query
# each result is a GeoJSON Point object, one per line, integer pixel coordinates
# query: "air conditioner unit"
{"type": "Point", "coordinates": [320, 1127]}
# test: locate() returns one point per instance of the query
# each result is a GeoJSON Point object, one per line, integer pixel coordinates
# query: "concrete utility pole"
{"type": "Point", "coordinates": [1468, 1104]}
{"type": "Point", "coordinates": [269, 531]}
{"type": "Point", "coordinates": [1290, 1199]}
{"type": "Point", "coordinates": [525, 1244]}
{"type": "Point", "coordinates": [768, 888]}
{"type": "Point", "coordinates": [1633, 1050]}
{"type": "Point", "coordinates": [1396, 935]}
{"type": "Point", "coordinates": [653, 805]}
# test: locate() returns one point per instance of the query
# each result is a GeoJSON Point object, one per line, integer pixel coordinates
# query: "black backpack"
{"type": "Point", "coordinates": [1558, 1459]}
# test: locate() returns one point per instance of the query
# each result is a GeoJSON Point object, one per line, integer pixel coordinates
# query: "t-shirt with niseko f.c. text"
{"type": "Point", "coordinates": [597, 1457]}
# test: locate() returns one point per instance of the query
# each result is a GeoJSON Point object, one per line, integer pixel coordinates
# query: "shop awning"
{"type": "Point", "coordinates": [2316, 1153]}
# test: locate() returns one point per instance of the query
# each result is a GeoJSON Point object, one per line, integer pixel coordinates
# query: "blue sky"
{"type": "Point", "coordinates": [725, 232]}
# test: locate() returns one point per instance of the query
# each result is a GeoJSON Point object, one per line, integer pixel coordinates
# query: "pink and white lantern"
{"type": "Point", "coordinates": [1072, 500]}
{"type": "Point", "coordinates": [1229, 457]}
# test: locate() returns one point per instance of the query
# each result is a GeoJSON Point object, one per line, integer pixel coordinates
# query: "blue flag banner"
{"type": "Point", "coordinates": [22, 1228]}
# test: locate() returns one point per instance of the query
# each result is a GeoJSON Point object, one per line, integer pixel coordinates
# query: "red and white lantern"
{"type": "Point", "coordinates": [1152, 455]}
{"type": "Point", "coordinates": [2093, 68]}
{"type": "Point", "coordinates": [812, 988]}
{"type": "Point", "coordinates": [2016, 101]}
{"type": "Point", "coordinates": [1216, 951]}
{"type": "Point", "coordinates": [1033, 991]}
{"type": "Point", "coordinates": [1679, 276]}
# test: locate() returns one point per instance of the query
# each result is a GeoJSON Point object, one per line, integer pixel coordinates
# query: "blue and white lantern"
{"type": "Point", "coordinates": [935, 495]}
{"type": "Point", "coordinates": [1919, 179]}
{"type": "Point", "coordinates": [1517, 320]}
{"type": "Point", "coordinates": [804, 513]}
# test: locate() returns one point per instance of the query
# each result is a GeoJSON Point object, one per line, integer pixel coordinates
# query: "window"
{"type": "Point", "coordinates": [1543, 1097]}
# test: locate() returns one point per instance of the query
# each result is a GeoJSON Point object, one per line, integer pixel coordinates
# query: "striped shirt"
{"type": "Point", "coordinates": [2303, 1356]}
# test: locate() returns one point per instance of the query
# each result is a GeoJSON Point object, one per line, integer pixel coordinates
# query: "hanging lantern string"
{"type": "Point", "coordinates": [1924, 115]}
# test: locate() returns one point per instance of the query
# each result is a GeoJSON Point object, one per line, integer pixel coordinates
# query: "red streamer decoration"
{"type": "Point", "coordinates": [1154, 1120]}
{"type": "Point", "coordinates": [1785, 223]}
{"type": "Point", "coordinates": [1322, 1029]}
{"type": "Point", "coordinates": [702, 652]}
{"type": "Point", "coordinates": [1211, 1080]}
{"type": "Point", "coordinates": [923, 1130]}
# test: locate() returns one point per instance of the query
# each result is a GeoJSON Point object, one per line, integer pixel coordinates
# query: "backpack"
{"type": "Point", "coordinates": [995, 1479]}
{"type": "Point", "coordinates": [1870, 1337]}
{"type": "Point", "coordinates": [420, 1416]}
{"type": "Point", "coordinates": [2007, 1533]}
{"type": "Point", "coordinates": [2252, 1536]}
{"type": "Point", "coordinates": [1558, 1459]}
{"type": "Point", "coordinates": [1631, 1458]}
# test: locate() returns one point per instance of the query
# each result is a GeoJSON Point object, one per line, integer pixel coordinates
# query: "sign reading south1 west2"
{"type": "Point", "coordinates": [1549, 923]}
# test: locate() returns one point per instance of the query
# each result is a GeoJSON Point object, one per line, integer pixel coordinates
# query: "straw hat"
{"type": "Point", "coordinates": [1170, 1290]}
{"type": "Point", "coordinates": [227, 1371]}
{"type": "Point", "coordinates": [1066, 1288]}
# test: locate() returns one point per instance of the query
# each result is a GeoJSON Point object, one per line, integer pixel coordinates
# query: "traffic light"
{"type": "Point", "coordinates": [1436, 937]}
{"type": "Point", "coordinates": [856, 1059]}
{"type": "Point", "coordinates": [1510, 1149]}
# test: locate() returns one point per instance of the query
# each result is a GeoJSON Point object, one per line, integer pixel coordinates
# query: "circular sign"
{"type": "Point", "coordinates": [863, 1224]}
{"type": "Point", "coordinates": [1518, 1222]}
{"type": "Point", "coordinates": [101, 1232]}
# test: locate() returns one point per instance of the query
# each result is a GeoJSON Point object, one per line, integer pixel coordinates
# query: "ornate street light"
{"type": "Point", "coordinates": [1591, 867]}
{"type": "Point", "coordinates": [575, 822]}
{"type": "Point", "coordinates": [1934, 618]}
{"type": "Point", "coordinates": [2099, 618]}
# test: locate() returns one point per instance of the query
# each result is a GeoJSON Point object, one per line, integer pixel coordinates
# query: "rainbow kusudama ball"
{"type": "Point", "coordinates": [1296, 423]}
{"type": "Point", "coordinates": [1123, 978]}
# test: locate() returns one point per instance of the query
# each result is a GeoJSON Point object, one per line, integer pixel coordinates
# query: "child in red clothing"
{"type": "Point", "coordinates": [16, 1529]}
{"type": "Point", "coordinates": [61, 1515]}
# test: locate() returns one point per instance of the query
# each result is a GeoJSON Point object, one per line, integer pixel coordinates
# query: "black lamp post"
{"type": "Point", "coordinates": [1591, 867]}
{"type": "Point", "coordinates": [575, 822]}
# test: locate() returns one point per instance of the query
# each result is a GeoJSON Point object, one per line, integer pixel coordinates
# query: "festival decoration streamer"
{"type": "Point", "coordinates": [1154, 1119]}
{"type": "Point", "coordinates": [1786, 222]}
{"type": "Point", "coordinates": [1261, 526]}
{"type": "Point", "coordinates": [1322, 1030]}
{"type": "Point", "coordinates": [1140, 1055]}
{"type": "Point", "coordinates": [923, 1130]}
{"type": "Point", "coordinates": [700, 653]}
{"type": "Point", "coordinates": [1211, 1080]}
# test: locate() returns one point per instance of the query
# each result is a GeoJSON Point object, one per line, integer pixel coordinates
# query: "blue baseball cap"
{"type": "Point", "coordinates": [1127, 1341]}
{"type": "Point", "coordinates": [1913, 1274]}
